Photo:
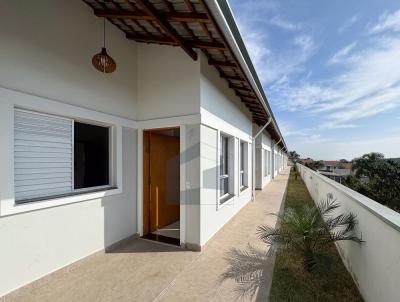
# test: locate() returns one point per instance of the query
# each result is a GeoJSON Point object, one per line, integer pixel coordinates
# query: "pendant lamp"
{"type": "Point", "coordinates": [102, 61]}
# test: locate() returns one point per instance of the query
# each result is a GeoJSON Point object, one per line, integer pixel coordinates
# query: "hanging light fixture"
{"type": "Point", "coordinates": [102, 61]}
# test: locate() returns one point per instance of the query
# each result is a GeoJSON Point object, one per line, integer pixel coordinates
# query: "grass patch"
{"type": "Point", "coordinates": [329, 282]}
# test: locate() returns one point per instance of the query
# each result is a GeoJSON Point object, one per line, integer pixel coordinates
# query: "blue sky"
{"type": "Point", "coordinates": [331, 71]}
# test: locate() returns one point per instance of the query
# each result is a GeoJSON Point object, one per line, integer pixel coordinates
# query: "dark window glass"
{"type": "Point", "coordinates": [224, 178]}
{"type": "Point", "coordinates": [91, 156]}
{"type": "Point", "coordinates": [223, 186]}
{"type": "Point", "coordinates": [242, 156]}
{"type": "Point", "coordinates": [224, 156]}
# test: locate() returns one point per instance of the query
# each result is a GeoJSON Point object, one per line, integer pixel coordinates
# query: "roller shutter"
{"type": "Point", "coordinates": [43, 157]}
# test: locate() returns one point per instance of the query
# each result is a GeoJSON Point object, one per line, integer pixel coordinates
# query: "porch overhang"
{"type": "Point", "coordinates": [207, 25]}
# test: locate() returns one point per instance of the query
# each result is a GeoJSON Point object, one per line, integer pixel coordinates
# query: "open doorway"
{"type": "Point", "coordinates": [161, 185]}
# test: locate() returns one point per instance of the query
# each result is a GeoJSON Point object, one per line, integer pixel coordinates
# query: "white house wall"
{"type": "Point", "coordinates": [191, 184]}
{"type": "Point", "coordinates": [46, 50]}
{"type": "Point", "coordinates": [168, 83]}
{"type": "Point", "coordinates": [221, 111]}
{"type": "Point", "coordinates": [263, 142]}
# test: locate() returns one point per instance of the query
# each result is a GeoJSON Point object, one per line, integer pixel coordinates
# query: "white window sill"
{"type": "Point", "coordinates": [224, 200]}
{"type": "Point", "coordinates": [10, 207]}
{"type": "Point", "coordinates": [243, 189]}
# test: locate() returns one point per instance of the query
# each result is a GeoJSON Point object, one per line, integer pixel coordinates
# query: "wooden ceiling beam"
{"type": "Point", "coordinates": [208, 45]}
{"type": "Point", "coordinates": [250, 105]}
{"type": "Point", "coordinates": [239, 87]}
{"type": "Point", "coordinates": [226, 76]}
{"type": "Point", "coordinates": [245, 96]}
{"type": "Point", "coordinates": [222, 63]}
{"type": "Point", "coordinates": [169, 41]}
{"type": "Point", "coordinates": [249, 101]}
{"type": "Point", "coordinates": [152, 39]}
{"type": "Point", "coordinates": [150, 10]}
{"type": "Point", "coordinates": [142, 15]}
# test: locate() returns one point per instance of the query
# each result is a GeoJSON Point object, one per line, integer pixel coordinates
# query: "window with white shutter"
{"type": "Point", "coordinates": [57, 156]}
{"type": "Point", "coordinates": [42, 155]}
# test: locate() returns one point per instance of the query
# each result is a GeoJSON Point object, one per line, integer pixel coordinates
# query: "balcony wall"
{"type": "Point", "coordinates": [375, 264]}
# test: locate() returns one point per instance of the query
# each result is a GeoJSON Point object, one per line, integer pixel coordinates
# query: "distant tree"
{"type": "Point", "coordinates": [315, 164]}
{"type": "Point", "coordinates": [343, 161]}
{"type": "Point", "coordinates": [294, 156]}
{"type": "Point", "coordinates": [377, 178]}
{"type": "Point", "coordinates": [364, 165]}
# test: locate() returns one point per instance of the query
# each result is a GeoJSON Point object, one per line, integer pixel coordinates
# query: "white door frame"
{"type": "Point", "coordinates": [182, 181]}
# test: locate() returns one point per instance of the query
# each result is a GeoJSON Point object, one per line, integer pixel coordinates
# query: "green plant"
{"type": "Point", "coordinates": [295, 172]}
{"type": "Point", "coordinates": [377, 178]}
{"type": "Point", "coordinates": [315, 165]}
{"type": "Point", "coordinates": [306, 229]}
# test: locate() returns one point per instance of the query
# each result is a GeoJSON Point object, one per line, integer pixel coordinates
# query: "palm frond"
{"type": "Point", "coordinates": [327, 205]}
{"type": "Point", "coordinates": [347, 220]}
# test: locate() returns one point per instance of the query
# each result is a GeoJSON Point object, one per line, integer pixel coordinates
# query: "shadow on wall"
{"type": "Point", "coordinates": [120, 210]}
{"type": "Point", "coordinates": [251, 269]}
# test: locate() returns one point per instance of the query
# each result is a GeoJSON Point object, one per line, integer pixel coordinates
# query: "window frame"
{"type": "Point", "coordinates": [223, 171]}
{"type": "Point", "coordinates": [266, 164]}
{"type": "Point", "coordinates": [24, 101]}
{"type": "Point", "coordinates": [228, 176]}
{"type": "Point", "coordinates": [75, 192]}
{"type": "Point", "coordinates": [243, 162]}
{"type": "Point", "coordinates": [270, 162]}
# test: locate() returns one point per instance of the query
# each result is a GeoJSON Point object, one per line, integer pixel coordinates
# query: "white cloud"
{"type": "Point", "coordinates": [369, 84]}
{"type": "Point", "coordinates": [285, 24]}
{"type": "Point", "coordinates": [348, 148]}
{"type": "Point", "coordinates": [335, 125]}
{"type": "Point", "coordinates": [289, 129]}
{"type": "Point", "coordinates": [254, 22]}
{"type": "Point", "coordinates": [349, 23]}
{"type": "Point", "coordinates": [342, 54]}
{"type": "Point", "coordinates": [387, 22]}
{"type": "Point", "coordinates": [306, 43]}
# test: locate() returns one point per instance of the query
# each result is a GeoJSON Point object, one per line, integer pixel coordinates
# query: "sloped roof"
{"type": "Point", "coordinates": [190, 24]}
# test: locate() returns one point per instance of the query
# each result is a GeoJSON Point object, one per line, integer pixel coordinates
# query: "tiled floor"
{"type": "Point", "coordinates": [172, 230]}
{"type": "Point", "coordinates": [143, 270]}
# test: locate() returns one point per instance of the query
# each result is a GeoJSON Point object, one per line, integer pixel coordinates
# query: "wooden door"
{"type": "Point", "coordinates": [162, 181]}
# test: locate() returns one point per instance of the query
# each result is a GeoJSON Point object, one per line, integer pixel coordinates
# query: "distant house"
{"type": "Point", "coordinates": [336, 170]}
{"type": "Point", "coordinates": [305, 161]}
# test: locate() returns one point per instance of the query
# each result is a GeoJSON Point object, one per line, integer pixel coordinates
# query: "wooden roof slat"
{"type": "Point", "coordinates": [236, 78]}
{"type": "Point", "coordinates": [191, 25]}
{"type": "Point", "coordinates": [245, 96]}
{"type": "Point", "coordinates": [233, 86]}
{"type": "Point", "coordinates": [169, 41]}
{"type": "Point", "coordinates": [149, 8]}
{"type": "Point", "coordinates": [152, 39]}
{"type": "Point", "coordinates": [222, 63]}
{"type": "Point", "coordinates": [142, 15]}
{"type": "Point", "coordinates": [190, 5]}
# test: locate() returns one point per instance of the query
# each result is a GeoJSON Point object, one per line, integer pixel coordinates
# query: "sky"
{"type": "Point", "coordinates": [331, 72]}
